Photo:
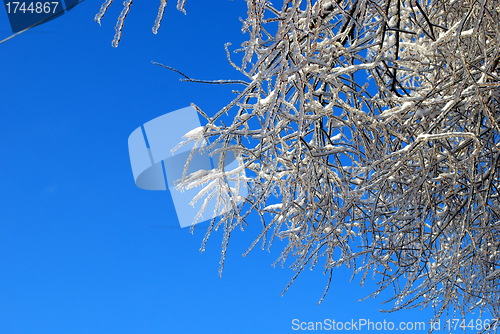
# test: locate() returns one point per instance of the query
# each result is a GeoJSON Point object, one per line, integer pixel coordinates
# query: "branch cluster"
{"type": "Point", "coordinates": [369, 132]}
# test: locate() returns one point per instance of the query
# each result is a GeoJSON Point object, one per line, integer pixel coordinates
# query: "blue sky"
{"type": "Point", "coordinates": [82, 249]}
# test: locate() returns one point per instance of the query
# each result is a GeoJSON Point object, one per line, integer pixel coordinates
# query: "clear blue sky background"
{"type": "Point", "coordinates": [82, 249]}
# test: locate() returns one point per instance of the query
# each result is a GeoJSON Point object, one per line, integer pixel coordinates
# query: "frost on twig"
{"type": "Point", "coordinates": [126, 8]}
{"type": "Point", "coordinates": [212, 82]}
{"type": "Point", "coordinates": [102, 11]}
{"type": "Point", "coordinates": [159, 16]}
{"type": "Point", "coordinates": [120, 22]}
